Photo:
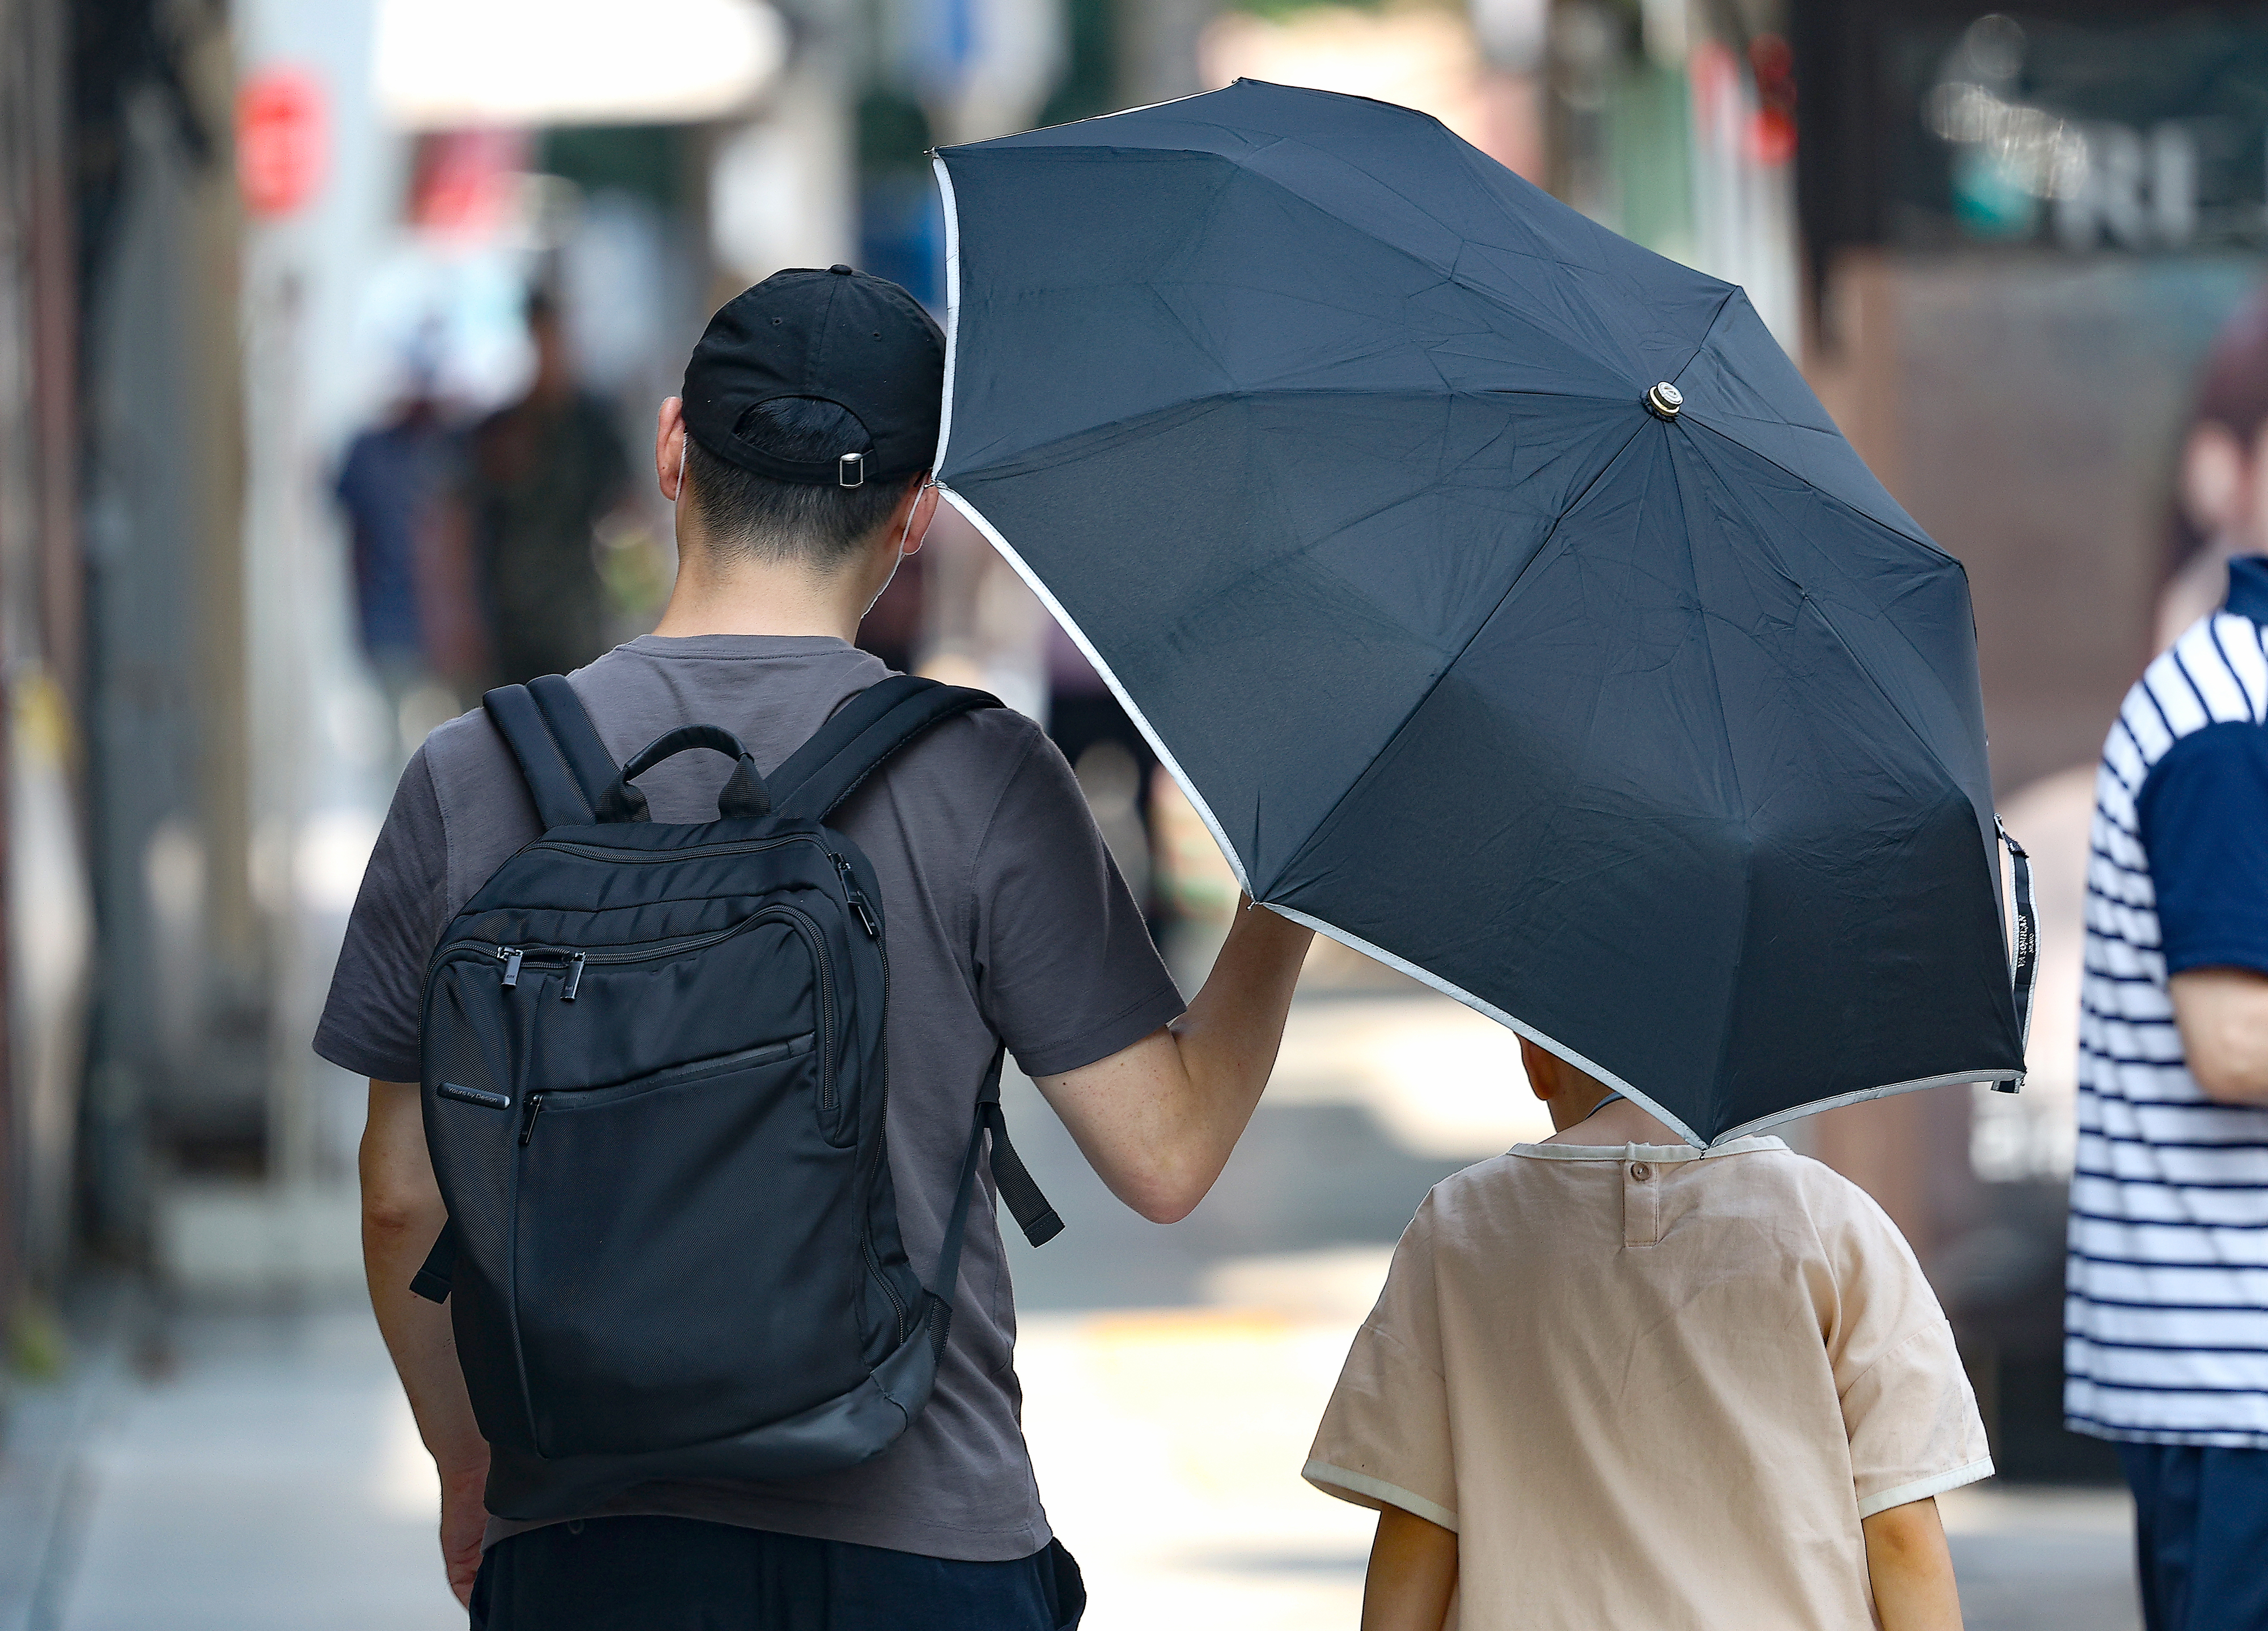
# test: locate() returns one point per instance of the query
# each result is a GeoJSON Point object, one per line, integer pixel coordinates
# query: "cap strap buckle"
{"type": "Point", "coordinates": [850, 470]}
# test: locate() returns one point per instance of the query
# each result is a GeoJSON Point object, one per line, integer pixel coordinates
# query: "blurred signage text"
{"type": "Point", "coordinates": [281, 140]}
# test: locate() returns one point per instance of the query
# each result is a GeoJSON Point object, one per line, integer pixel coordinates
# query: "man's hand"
{"type": "Point", "coordinates": [2222, 1014]}
{"type": "Point", "coordinates": [464, 1520]}
{"type": "Point", "coordinates": [1911, 1569]}
{"type": "Point", "coordinates": [1157, 1121]}
{"type": "Point", "coordinates": [402, 1215]}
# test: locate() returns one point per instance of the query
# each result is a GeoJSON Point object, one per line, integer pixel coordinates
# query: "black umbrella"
{"type": "Point", "coordinates": [1500, 595]}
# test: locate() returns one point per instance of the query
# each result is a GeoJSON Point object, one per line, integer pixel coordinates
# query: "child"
{"type": "Point", "coordinates": [1615, 1381]}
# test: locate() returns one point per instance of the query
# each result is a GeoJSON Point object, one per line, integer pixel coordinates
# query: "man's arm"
{"type": "Point", "coordinates": [1157, 1119]}
{"type": "Point", "coordinates": [2222, 1014]}
{"type": "Point", "coordinates": [1413, 1573]}
{"type": "Point", "coordinates": [402, 1215]}
{"type": "Point", "coordinates": [1911, 1568]}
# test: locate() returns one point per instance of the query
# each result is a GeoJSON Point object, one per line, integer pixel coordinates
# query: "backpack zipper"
{"type": "Point", "coordinates": [513, 957]}
{"type": "Point", "coordinates": [564, 1099]}
{"type": "Point", "coordinates": [602, 852]}
{"type": "Point", "coordinates": [882, 1152]}
{"type": "Point", "coordinates": [856, 899]}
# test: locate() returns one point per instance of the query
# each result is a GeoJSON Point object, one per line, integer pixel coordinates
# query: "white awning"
{"type": "Point", "coordinates": [445, 64]}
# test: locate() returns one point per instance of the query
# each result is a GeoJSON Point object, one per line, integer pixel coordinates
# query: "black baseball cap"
{"type": "Point", "coordinates": [843, 336]}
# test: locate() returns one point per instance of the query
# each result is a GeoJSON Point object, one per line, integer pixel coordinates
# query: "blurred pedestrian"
{"type": "Point", "coordinates": [2167, 1316]}
{"type": "Point", "coordinates": [539, 476]}
{"type": "Point", "coordinates": [1112, 759]}
{"type": "Point", "coordinates": [389, 484]}
{"type": "Point", "coordinates": [1615, 1380]}
{"type": "Point", "coordinates": [2221, 501]}
{"type": "Point", "coordinates": [796, 462]}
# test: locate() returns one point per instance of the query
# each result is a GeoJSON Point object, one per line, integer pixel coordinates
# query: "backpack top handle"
{"type": "Point", "coordinates": [744, 796]}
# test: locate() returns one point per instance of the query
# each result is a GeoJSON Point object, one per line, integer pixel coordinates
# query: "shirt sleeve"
{"type": "Point", "coordinates": [2204, 817]}
{"type": "Point", "coordinates": [1066, 972]}
{"type": "Point", "coordinates": [1384, 1441]}
{"type": "Point", "coordinates": [1907, 1405]}
{"type": "Point", "coordinates": [372, 1018]}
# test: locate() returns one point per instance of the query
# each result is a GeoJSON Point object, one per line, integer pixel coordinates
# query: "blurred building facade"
{"type": "Point", "coordinates": [42, 885]}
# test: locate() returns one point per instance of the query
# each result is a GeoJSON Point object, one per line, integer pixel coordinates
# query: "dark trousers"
{"type": "Point", "coordinates": [2200, 1536]}
{"type": "Point", "coordinates": [673, 1574]}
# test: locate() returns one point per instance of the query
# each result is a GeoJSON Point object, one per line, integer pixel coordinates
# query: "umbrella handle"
{"type": "Point", "coordinates": [2026, 974]}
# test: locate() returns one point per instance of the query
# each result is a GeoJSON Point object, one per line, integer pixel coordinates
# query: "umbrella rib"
{"type": "Point", "coordinates": [1479, 627]}
{"type": "Point", "coordinates": [1036, 450]}
{"type": "Point", "coordinates": [1857, 662]}
{"type": "Point", "coordinates": [1448, 274]}
{"type": "Point", "coordinates": [1723, 743]}
{"type": "Point", "coordinates": [1702, 417]}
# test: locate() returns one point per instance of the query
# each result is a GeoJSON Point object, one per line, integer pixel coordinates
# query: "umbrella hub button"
{"type": "Point", "coordinates": [1664, 400]}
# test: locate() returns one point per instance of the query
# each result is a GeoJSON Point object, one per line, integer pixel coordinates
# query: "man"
{"type": "Point", "coordinates": [2167, 1316]}
{"type": "Point", "coordinates": [539, 475]}
{"type": "Point", "coordinates": [1006, 919]}
{"type": "Point", "coordinates": [387, 485]}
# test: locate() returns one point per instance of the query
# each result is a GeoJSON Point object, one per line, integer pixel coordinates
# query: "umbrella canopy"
{"type": "Point", "coordinates": [1643, 720]}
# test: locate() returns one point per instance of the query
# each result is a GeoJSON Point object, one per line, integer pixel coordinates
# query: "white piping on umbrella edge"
{"type": "Point", "coordinates": [1008, 553]}
{"type": "Point", "coordinates": [953, 268]}
{"type": "Point", "coordinates": [1157, 744]}
{"type": "Point", "coordinates": [1480, 1006]}
{"type": "Point", "coordinates": [1746, 1128]}
{"type": "Point", "coordinates": [952, 308]}
{"type": "Point", "coordinates": [1861, 1095]}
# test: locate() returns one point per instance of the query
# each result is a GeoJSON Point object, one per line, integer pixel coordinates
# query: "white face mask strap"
{"type": "Point", "coordinates": [929, 485]}
{"type": "Point", "coordinates": [899, 554]}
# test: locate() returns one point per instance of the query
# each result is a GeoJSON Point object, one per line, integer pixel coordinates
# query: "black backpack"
{"type": "Point", "coordinates": [655, 1094]}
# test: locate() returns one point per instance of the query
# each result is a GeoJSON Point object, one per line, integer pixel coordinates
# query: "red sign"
{"type": "Point", "coordinates": [280, 140]}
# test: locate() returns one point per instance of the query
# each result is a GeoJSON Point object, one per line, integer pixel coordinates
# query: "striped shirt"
{"type": "Point", "coordinates": [2166, 1319]}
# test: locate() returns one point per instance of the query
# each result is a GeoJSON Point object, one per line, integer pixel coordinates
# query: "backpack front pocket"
{"type": "Point", "coordinates": [684, 1254]}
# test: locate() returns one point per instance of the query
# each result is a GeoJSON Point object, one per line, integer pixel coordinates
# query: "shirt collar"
{"type": "Point", "coordinates": [2247, 587]}
{"type": "Point", "coordinates": [1656, 1153]}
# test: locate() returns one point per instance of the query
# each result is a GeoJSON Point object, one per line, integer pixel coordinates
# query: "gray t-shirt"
{"type": "Point", "coordinates": [1006, 918]}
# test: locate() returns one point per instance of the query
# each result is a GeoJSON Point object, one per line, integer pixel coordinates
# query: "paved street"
{"type": "Point", "coordinates": [258, 1471]}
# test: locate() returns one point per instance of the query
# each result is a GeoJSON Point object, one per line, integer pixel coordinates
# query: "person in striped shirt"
{"type": "Point", "coordinates": [2167, 1318]}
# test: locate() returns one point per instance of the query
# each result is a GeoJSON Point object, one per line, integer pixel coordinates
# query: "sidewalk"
{"type": "Point", "coordinates": [261, 1473]}
{"type": "Point", "coordinates": [273, 1481]}
{"type": "Point", "coordinates": [266, 1478]}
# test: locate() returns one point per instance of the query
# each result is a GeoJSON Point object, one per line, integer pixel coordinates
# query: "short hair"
{"type": "Point", "coordinates": [761, 518]}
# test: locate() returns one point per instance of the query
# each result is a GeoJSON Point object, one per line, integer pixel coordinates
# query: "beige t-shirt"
{"type": "Point", "coordinates": [1652, 1387]}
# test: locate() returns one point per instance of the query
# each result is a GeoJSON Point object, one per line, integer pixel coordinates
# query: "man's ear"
{"type": "Point", "coordinates": [910, 516]}
{"type": "Point", "coordinates": [669, 447]}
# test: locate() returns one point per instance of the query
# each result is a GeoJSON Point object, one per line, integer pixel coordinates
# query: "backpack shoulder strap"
{"type": "Point", "coordinates": [564, 764]}
{"type": "Point", "coordinates": [577, 739]}
{"type": "Point", "coordinates": [1010, 1177]}
{"type": "Point", "coordinates": [864, 732]}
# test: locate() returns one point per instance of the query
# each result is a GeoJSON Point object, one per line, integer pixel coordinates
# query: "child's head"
{"type": "Point", "coordinates": [1569, 1094]}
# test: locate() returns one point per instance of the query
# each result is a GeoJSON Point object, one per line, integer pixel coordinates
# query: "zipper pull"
{"type": "Point", "coordinates": [527, 1121]}
{"type": "Point", "coordinates": [509, 956]}
{"type": "Point", "coordinates": [857, 901]}
{"type": "Point", "coordinates": [574, 977]}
